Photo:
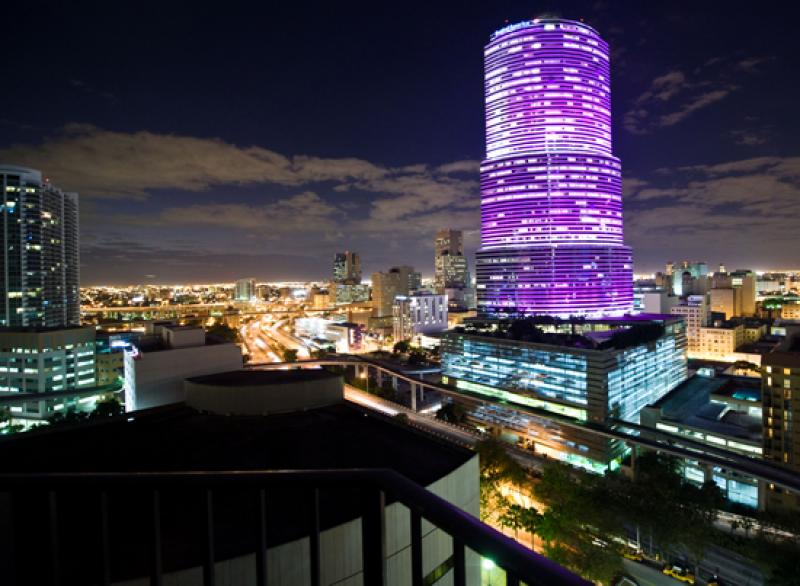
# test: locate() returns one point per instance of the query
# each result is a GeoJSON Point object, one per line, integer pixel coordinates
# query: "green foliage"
{"type": "Point", "coordinates": [401, 418]}
{"type": "Point", "coordinates": [401, 347]}
{"type": "Point", "coordinates": [108, 406]}
{"type": "Point", "coordinates": [634, 336]}
{"type": "Point", "coordinates": [452, 413]}
{"type": "Point", "coordinates": [497, 467]}
{"type": "Point", "coordinates": [289, 355]}
{"type": "Point", "coordinates": [223, 332]}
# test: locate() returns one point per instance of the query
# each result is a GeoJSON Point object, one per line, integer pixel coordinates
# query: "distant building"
{"type": "Point", "coordinates": [688, 277]}
{"type": "Point", "coordinates": [419, 313]}
{"type": "Point", "coordinates": [654, 300]}
{"type": "Point", "coordinates": [387, 286]}
{"type": "Point", "coordinates": [780, 387]}
{"type": "Point", "coordinates": [110, 355]}
{"type": "Point", "coordinates": [450, 264]}
{"type": "Point", "coordinates": [156, 365]}
{"type": "Point", "coordinates": [39, 272]}
{"type": "Point", "coordinates": [344, 293]}
{"type": "Point", "coordinates": [694, 310]}
{"type": "Point", "coordinates": [245, 290]}
{"type": "Point", "coordinates": [46, 360]}
{"type": "Point", "coordinates": [347, 268]}
{"type": "Point", "coordinates": [734, 293]}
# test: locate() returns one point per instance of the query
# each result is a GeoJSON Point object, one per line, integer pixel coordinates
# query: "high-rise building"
{"type": "Point", "coordinates": [387, 286]}
{"type": "Point", "coordinates": [694, 310]}
{"type": "Point", "coordinates": [449, 262]}
{"type": "Point", "coordinates": [245, 290]}
{"type": "Point", "coordinates": [43, 349]}
{"type": "Point", "coordinates": [39, 267]}
{"type": "Point", "coordinates": [551, 188]}
{"type": "Point", "coordinates": [780, 397]}
{"type": "Point", "coordinates": [347, 268]}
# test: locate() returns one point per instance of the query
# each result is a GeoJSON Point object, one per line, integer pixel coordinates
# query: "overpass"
{"type": "Point", "coordinates": [657, 440]}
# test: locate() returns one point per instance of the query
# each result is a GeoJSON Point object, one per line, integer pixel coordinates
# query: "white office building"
{"type": "Point", "coordinates": [420, 313]}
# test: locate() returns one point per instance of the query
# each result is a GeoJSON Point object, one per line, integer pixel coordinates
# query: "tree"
{"type": "Point", "coordinates": [452, 412]}
{"type": "Point", "coordinates": [401, 347]}
{"type": "Point", "coordinates": [223, 332]}
{"type": "Point", "coordinates": [497, 467]}
{"type": "Point", "coordinates": [108, 406]}
{"type": "Point", "coordinates": [290, 355]}
{"type": "Point", "coordinates": [401, 418]}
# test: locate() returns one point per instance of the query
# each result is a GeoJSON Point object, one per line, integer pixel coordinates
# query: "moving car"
{"type": "Point", "coordinates": [679, 573]}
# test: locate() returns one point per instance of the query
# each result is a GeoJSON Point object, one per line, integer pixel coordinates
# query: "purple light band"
{"type": "Point", "coordinates": [551, 189]}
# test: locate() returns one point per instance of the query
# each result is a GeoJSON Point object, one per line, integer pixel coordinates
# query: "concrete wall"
{"type": "Point", "coordinates": [340, 548]}
{"type": "Point", "coordinates": [156, 378]}
{"type": "Point", "coordinates": [263, 399]}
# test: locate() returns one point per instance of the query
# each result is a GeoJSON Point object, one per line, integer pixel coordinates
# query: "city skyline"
{"type": "Point", "coordinates": [274, 180]}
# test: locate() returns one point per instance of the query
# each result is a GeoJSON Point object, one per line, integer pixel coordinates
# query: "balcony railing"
{"type": "Point", "coordinates": [375, 487]}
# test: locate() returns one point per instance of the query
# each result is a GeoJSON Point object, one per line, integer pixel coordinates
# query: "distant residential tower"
{"type": "Point", "coordinates": [39, 264]}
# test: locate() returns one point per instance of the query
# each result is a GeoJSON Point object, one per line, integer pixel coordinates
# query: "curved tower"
{"type": "Point", "coordinates": [551, 189]}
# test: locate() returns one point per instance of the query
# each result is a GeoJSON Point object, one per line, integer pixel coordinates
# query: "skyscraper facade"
{"type": "Point", "coordinates": [551, 190]}
{"type": "Point", "coordinates": [449, 262]}
{"type": "Point", "coordinates": [347, 268]}
{"type": "Point", "coordinates": [39, 264]}
{"type": "Point", "coordinates": [245, 290]}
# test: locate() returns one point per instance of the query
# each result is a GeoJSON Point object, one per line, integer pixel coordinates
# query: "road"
{"type": "Point", "coordinates": [647, 575]}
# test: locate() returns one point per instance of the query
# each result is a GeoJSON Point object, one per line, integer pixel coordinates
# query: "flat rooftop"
{"type": "Point", "coordinates": [690, 404]}
{"type": "Point", "coordinates": [238, 378]}
{"type": "Point", "coordinates": [176, 438]}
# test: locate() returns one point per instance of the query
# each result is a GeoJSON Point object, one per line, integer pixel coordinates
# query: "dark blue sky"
{"type": "Point", "coordinates": [211, 141]}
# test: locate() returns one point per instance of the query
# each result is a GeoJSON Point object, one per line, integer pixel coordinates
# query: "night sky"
{"type": "Point", "coordinates": [211, 141]}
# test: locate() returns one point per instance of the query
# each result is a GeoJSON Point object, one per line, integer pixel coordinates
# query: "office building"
{"type": "Point", "coordinates": [725, 301]}
{"type": "Point", "coordinates": [653, 300]}
{"type": "Point", "coordinates": [397, 281]}
{"type": "Point", "coordinates": [347, 268]}
{"type": "Point", "coordinates": [588, 370]}
{"type": "Point", "coordinates": [245, 290]}
{"type": "Point", "coordinates": [734, 293]}
{"type": "Point", "coordinates": [780, 388]}
{"type": "Point", "coordinates": [346, 293]}
{"type": "Point", "coordinates": [688, 277]}
{"type": "Point", "coordinates": [721, 412]}
{"type": "Point", "coordinates": [551, 187]}
{"type": "Point", "coordinates": [46, 360]}
{"type": "Point", "coordinates": [39, 270]}
{"type": "Point", "coordinates": [419, 313]}
{"type": "Point", "coordinates": [157, 364]}
{"type": "Point", "coordinates": [449, 263]}
{"type": "Point", "coordinates": [694, 310]}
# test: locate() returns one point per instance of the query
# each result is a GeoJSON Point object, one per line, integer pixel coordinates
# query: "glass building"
{"type": "Point", "coordinates": [575, 372]}
{"type": "Point", "coordinates": [551, 188]}
{"type": "Point", "coordinates": [39, 266]}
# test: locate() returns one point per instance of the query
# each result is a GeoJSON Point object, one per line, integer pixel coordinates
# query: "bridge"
{"type": "Point", "coordinates": [656, 440]}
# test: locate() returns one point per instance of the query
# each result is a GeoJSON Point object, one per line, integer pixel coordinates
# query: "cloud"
{"type": "Point", "coordinates": [693, 105]}
{"type": "Point", "coordinates": [674, 96]}
{"type": "Point", "coordinates": [107, 164]}
{"type": "Point", "coordinates": [305, 211]}
{"type": "Point", "coordinates": [744, 209]}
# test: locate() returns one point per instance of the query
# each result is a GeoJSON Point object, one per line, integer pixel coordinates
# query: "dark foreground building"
{"type": "Point", "coordinates": [258, 478]}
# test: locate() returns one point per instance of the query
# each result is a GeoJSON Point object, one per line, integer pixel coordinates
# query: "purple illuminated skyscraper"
{"type": "Point", "coordinates": [551, 188]}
